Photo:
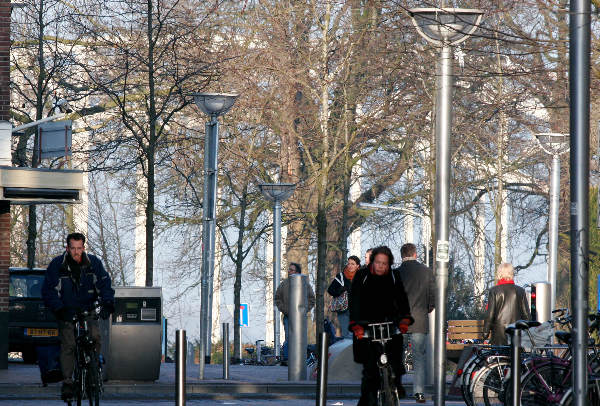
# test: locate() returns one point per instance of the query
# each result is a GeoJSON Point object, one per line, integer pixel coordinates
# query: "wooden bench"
{"type": "Point", "coordinates": [460, 331]}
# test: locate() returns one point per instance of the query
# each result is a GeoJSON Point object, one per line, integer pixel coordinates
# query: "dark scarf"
{"type": "Point", "coordinates": [75, 268]}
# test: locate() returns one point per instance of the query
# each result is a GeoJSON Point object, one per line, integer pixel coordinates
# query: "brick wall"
{"type": "Point", "coordinates": [4, 60]}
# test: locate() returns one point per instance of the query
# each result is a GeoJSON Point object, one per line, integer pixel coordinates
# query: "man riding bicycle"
{"type": "Point", "coordinates": [74, 281]}
{"type": "Point", "coordinates": [378, 295]}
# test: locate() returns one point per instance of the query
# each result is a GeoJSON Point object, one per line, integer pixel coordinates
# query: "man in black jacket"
{"type": "Point", "coordinates": [419, 283]}
{"type": "Point", "coordinates": [378, 295]}
{"type": "Point", "coordinates": [506, 304]}
{"type": "Point", "coordinates": [74, 281]}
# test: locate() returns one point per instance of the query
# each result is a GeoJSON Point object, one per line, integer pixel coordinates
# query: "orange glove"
{"type": "Point", "coordinates": [403, 325]}
{"type": "Point", "coordinates": [358, 331]}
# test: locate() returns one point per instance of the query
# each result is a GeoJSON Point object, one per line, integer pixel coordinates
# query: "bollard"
{"type": "Point", "coordinates": [225, 350]}
{"type": "Point", "coordinates": [322, 371]}
{"type": "Point", "coordinates": [297, 329]}
{"type": "Point", "coordinates": [180, 349]}
{"type": "Point", "coordinates": [259, 351]}
{"type": "Point", "coordinates": [515, 365]}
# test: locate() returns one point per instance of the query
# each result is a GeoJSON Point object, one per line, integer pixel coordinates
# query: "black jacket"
{"type": "Point", "coordinates": [339, 285]}
{"type": "Point", "coordinates": [375, 299]}
{"type": "Point", "coordinates": [62, 289]}
{"type": "Point", "coordinates": [419, 283]}
{"type": "Point", "coordinates": [507, 303]}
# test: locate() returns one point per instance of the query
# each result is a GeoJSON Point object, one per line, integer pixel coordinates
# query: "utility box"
{"type": "Point", "coordinates": [540, 301]}
{"type": "Point", "coordinates": [135, 335]}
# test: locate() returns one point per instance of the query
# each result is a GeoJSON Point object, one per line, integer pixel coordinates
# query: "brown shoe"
{"type": "Point", "coordinates": [419, 398]}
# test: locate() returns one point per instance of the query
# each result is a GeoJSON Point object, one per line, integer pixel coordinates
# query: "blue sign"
{"type": "Point", "coordinates": [244, 314]}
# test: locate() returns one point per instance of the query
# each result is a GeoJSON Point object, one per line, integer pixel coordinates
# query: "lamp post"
{"type": "Point", "coordinates": [425, 227]}
{"type": "Point", "coordinates": [276, 193]}
{"type": "Point", "coordinates": [555, 145]}
{"type": "Point", "coordinates": [444, 27]}
{"type": "Point", "coordinates": [213, 105]}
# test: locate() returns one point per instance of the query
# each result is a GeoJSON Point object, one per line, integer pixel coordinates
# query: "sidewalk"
{"type": "Point", "coordinates": [22, 381]}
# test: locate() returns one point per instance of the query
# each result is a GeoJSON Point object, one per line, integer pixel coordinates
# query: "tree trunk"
{"type": "Point", "coordinates": [237, 284]}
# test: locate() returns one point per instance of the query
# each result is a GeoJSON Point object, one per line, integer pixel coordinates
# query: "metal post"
{"type": "Point", "coordinates": [553, 228]}
{"type": "Point", "coordinates": [322, 370]}
{"type": "Point", "coordinates": [211, 144]}
{"type": "Point", "coordinates": [180, 349]}
{"type": "Point", "coordinates": [515, 367]}
{"type": "Point", "coordinates": [276, 274]}
{"type": "Point", "coordinates": [579, 96]}
{"type": "Point", "coordinates": [443, 125]}
{"type": "Point", "coordinates": [225, 350]}
{"type": "Point", "coordinates": [297, 328]}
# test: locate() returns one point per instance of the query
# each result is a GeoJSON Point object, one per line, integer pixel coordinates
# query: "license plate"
{"type": "Point", "coordinates": [41, 332]}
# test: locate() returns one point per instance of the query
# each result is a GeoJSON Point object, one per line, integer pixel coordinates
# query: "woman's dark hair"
{"type": "Point", "coordinates": [355, 259]}
{"type": "Point", "coordinates": [296, 266]}
{"type": "Point", "coordinates": [382, 250]}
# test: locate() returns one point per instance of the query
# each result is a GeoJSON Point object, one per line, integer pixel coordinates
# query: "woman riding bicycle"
{"type": "Point", "coordinates": [378, 295]}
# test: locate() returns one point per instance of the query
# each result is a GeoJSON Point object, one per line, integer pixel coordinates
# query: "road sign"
{"type": "Point", "coordinates": [244, 314]}
{"type": "Point", "coordinates": [55, 139]}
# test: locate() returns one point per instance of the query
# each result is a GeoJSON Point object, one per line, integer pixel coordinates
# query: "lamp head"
{"type": "Point", "coordinates": [553, 143]}
{"type": "Point", "coordinates": [215, 104]}
{"type": "Point", "coordinates": [277, 192]}
{"type": "Point", "coordinates": [445, 26]}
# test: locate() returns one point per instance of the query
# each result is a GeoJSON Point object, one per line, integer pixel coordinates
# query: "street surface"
{"type": "Point", "coordinates": [206, 402]}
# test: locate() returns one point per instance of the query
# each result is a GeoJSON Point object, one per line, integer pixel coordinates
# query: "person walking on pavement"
{"type": "Point", "coordinates": [339, 289]}
{"type": "Point", "coordinates": [377, 296]}
{"type": "Point", "coordinates": [419, 283]}
{"type": "Point", "coordinates": [74, 281]}
{"type": "Point", "coordinates": [282, 301]}
{"type": "Point", "coordinates": [506, 304]}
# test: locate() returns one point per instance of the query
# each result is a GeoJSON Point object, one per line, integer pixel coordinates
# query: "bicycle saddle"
{"type": "Point", "coordinates": [563, 337]}
{"type": "Point", "coordinates": [522, 325]}
{"type": "Point", "coordinates": [249, 350]}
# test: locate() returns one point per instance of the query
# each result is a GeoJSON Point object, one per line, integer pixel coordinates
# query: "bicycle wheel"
{"type": "Point", "coordinates": [385, 396]}
{"type": "Point", "coordinates": [545, 385]}
{"type": "Point", "coordinates": [489, 392]}
{"type": "Point", "coordinates": [93, 380]}
{"type": "Point", "coordinates": [80, 386]}
{"type": "Point", "coordinates": [470, 369]}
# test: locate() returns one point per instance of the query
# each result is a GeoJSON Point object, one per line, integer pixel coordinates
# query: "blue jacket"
{"type": "Point", "coordinates": [60, 289]}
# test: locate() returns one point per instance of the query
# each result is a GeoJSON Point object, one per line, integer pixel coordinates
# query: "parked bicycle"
{"type": "Point", "coordinates": [87, 375]}
{"type": "Point", "coordinates": [381, 333]}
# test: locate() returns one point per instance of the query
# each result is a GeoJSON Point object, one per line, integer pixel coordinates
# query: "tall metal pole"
{"type": "Point", "coordinates": [276, 272]}
{"type": "Point", "coordinates": [442, 202]}
{"type": "Point", "coordinates": [553, 227]}
{"type": "Point", "coordinates": [211, 144]}
{"type": "Point", "coordinates": [579, 89]}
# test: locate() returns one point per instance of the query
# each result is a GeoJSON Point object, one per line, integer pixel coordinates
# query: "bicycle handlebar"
{"type": "Point", "coordinates": [94, 312]}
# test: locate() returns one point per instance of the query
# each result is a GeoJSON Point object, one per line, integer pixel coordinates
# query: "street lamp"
{"type": "Point", "coordinates": [424, 222]}
{"type": "Point", "coordinates": [555, 145]}
{"type": "Point", "coordinates": [214, 105]}
{"type": "Point", "coordinates": [445, 27]}
{"type": "Point", "coordinates": [276, 193]}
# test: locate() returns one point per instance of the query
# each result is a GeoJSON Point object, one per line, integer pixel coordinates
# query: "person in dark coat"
{"type": "Point", "coordinates": [74, 281]}
{"type": "Point", "coordinates": [419, 283]}
{"type": "Point", "coordinates": [340, 284]}
{"type": "Point", "coordinates": [378, 295]}
{"type": "Point", "coordinates": [506, 304]}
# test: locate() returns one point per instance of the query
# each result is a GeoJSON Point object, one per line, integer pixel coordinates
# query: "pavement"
{"type": "Point", "coordinates": [21, 383]}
